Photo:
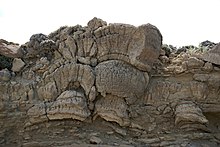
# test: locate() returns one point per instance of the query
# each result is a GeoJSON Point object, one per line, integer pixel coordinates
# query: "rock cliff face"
{"type": "Point", "coordinates": [109, 84]}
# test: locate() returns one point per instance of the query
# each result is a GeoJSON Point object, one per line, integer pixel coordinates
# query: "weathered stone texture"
{"type": "Point", "coordinates": [108, 84]}
{"type": "Point", "coordinates": [213, 55]}
{"type": "Point", "coordinates": [113, 108]}
{"type": "Point", "coordinates": [120, 79]}
{"type": "Point", "coordinates": [70, 104]}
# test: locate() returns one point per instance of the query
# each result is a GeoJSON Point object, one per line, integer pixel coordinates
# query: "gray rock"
{"type": "Point", "coordinates": [213, 55]}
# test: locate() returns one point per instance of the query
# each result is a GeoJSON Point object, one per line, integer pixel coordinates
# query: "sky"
{"type": "Point", "coordinates": [181, 22]}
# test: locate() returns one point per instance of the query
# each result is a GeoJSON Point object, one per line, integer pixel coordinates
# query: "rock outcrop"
{"type": "Point", "coordinates": [108, 84]}
{"type": "Point", "coordinates": [213, 55]}
{"type": "Point", "coordinates": [8, 49]}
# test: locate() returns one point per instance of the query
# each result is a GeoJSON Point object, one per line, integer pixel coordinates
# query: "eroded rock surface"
{"type": "Point", "coordinates": [113, 76]}
{"type": "Point", "coordinates": [108, 84]}
{"type": "Point", "coordinates": [213, 55]}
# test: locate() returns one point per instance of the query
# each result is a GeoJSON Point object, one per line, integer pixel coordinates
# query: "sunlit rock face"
{"type": "Point", "coordinates": [91, 84]}
{"type": "Point", "coordinates": [80, 73]}
{"type": "Point", "coordinates": [66, 70]}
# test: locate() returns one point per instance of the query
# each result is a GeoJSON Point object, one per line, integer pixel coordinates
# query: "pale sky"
{"type": "Point", "coordinates": [181, 22]}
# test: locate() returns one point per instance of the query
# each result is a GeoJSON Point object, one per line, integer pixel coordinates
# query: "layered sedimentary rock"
{"type": "Point", "coordinates": [189, 116]}
{"type": "Point", "coordinates": [113, 108]}
{"type": "Point", "coordinates": [109, 84]}
{"type": "Point", "coordinates": [70, 104]}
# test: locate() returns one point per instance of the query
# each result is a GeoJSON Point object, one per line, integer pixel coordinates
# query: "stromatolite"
{"type": "Point", "coordinates": [111, 81]}
{"type": "Point", "coordinates": [107, 61]}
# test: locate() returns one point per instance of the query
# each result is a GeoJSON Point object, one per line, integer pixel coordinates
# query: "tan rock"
{"type": "Point", "coordinates": [212, 79]}
{"type": "Point", "coordinates": [92, 84]}
{"type": "Point", "coordinates": [9, 49]}
{"type": "Point", "coordinates": [48, 92]}
{"type": "Point", "coordinates": [95, 140]}
{"type": "Point", "coordinates": [113, 108]}
{"type": "Point", "coordinates": [120, 79]}
{"type": "Point", "coordinates": [138, 46]}
{"type": "Point", "coordinates": [37, 113]}
{"type": "Point", "coordinates": [201, 77]}
{"type": "Point", "coordinates": [194, 62]}
{"type": "Point", "coordinates": [70, 104]}
{"type": "Point", "coordinates": [145, 46]}
{"type": "Point", "coordinates": [199, 90]}
{"type": "Point", "coordinates": [17, 65]}
{"type": "Point", "coordinates": [92, 94]}
{"type": "Point", "coordinates": [96, 23]}
{"type": "Point", "coordinates": [208, 67]}
{"type": "Point", "coordinates": [164, 59]}
{"type": "Point", "coordinates": [67, 75]}
{"type": "Point", "coordinates": [189, 113]}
